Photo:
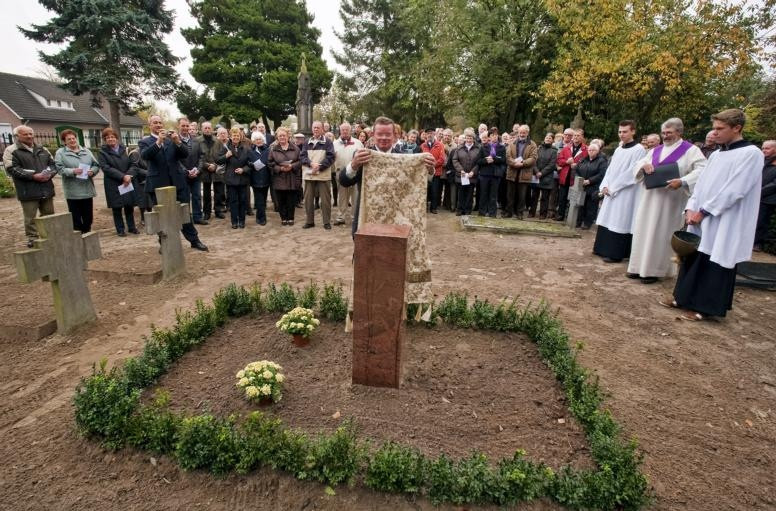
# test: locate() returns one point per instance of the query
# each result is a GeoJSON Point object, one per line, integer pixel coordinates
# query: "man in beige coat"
{"type": "Point", "coordinates": [521, 166]}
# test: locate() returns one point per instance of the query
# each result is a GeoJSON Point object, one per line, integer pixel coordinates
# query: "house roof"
{"type": "Point", "coordinates": [15, 93]}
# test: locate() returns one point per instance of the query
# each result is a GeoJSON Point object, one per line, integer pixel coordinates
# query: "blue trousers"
{"type": "Point", "coordinates": [195, 190]}
{"type": "Point", "coordinates": [238, 203]}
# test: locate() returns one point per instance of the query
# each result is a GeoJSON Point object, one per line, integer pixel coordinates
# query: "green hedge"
{"type": "Point", "coordinates": [108, 408]}
{"type": "Point", "coordinates": [6, 185]}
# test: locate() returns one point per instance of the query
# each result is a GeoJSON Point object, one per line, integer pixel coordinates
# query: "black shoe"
{"type": "Point", "coordinates": [134, 231]}
{"type": "Point", "coordinates": [198, 245]}
{"type": "Point", "coordinates": [30, 243]}
{"type": "Point", "coordinates": [121, 234]}
{"type": "Point", "coordinates": [632, 275]}
{"type": "Point", "coordinates": [506, 215]}
{"type": "Point", "coordinates": [234, 226]}
{"type": "Point", "coordinates": [458, 213]}
{"type": "Point", "coordinates": [242, 226]}
{"type": "Point", "coordinates": [648, 280]}
{"type": "Point", "coordinates": [206, 216]}
{"type": "Point", "coordinates": [327, 227]}
{"type": "Point", "coordinates": [249, 212]}
{"type": "Point", "coordinates": [610, 260]}
{"type": "Point", "coordinates": [434, 212]}
{"type": "Point", "coordinates": [290, 222]}
{"type": "Point", "coordinates": [220, 215]}
{"type": "Point", "coordinates": [307, 226]}
{"type": "Point", "coordinates": [201, 222]}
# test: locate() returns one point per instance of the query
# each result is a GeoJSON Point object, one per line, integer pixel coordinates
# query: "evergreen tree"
{"type": "Point", "coordinates": [196, 106]}
{"type": "Point", "coordinates": [112, 50]}
{"type": "Point", "coordinates": [248, 53]}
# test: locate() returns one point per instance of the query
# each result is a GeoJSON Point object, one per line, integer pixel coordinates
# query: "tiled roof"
{"type": "Point", "coordinates": [15, 92]}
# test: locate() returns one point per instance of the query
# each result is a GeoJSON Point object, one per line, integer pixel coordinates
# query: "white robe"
{"type": "Point", "coordinates": [729, 189]}
{"type": "Point", "coordinates": [660, 213]}
{"type": "Point", "coordinates": [619, 207]}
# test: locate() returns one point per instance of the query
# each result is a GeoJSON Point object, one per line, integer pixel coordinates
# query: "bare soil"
{"type": "Point", "coordinates": [699, 397]}
{"type": "Point", "coordinates": [463, 390]}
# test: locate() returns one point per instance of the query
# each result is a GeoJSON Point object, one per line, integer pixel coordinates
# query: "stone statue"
{"type": "Point", "coordinates": [304, 100]}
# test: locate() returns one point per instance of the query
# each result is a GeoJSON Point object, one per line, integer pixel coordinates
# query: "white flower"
{"type": "Point", "coordinates": [240, 373]}
{"type": "Point", "coordinates": [310, 327]}
{"type": "Point", "coordinates": [251, 391]}
{"type": "Point", "coordinates": [279, 378]}
{"type": "Point", "coordinates": [266, 390]}
{"type": "Point", "coordinates": [244, 382]}
{"type": "Point", "coordinates": [316, 322]}
{"type": "Point", "coordinates": [267, 375]}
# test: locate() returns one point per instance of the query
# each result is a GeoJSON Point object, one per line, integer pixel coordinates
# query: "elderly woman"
{"type": "Point", "coordinates": [466, 159]}
{"type": "Point", "coordinates": [411, 146]}
{"type": "Point", "coordinates": [119, 172]}
{"type": "Point", "coordinates": [286, 170]}
{"type": "Point", "coordinates": [258, 158]}
{"type": "Point", "coordinates": [545, 169]}
{"type": "Point", "coordinates": [77, 167]}
{"type": "Point", "coordinates": [236, 176]}
{"type": "Point", "coordinates": [591, 170]}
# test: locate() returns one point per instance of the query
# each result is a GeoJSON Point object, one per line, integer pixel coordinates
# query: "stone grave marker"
{"type": "Point", "coordinates": [165, 221]}
{"type": "Point", "coordinates": [380, 273]}
{"type": "Point", "coordinates": [60, 257]}
{"type": "Point", "coordinates": [576, 201]}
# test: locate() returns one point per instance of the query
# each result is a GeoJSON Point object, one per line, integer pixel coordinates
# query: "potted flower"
{"type": "Point", "coordinates": [262, 382]}
{"type": "Point", "coordinates": [300, 323]}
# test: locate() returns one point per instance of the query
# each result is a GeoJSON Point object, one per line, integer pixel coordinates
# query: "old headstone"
{"type": "Point", "coordinates": [60, 257]}
{"type": "Point", "coordinates": [576, 201]}
{"type": "Point", "coordinates": [165, 221]}
{"type": "Point", "coordinates": [380, 273]}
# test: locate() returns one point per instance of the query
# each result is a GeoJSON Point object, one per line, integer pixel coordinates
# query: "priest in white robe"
{"type": "Point", "coordinates": [621, 197]}
{"type": "Point", "coordinates": [660, 209]}
{"type": "Point", "coordinates": [723, 212]}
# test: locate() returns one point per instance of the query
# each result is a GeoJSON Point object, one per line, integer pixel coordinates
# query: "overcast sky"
{"type": "Point", "coordinates": [20, 55]}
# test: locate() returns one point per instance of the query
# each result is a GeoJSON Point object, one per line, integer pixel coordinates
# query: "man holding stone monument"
{"type": "Point", "coordinates": [164, 153]}
{"type": "Point", "coordinates": [31, 167]}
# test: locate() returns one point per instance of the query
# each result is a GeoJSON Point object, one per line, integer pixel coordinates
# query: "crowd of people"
{"type": "Point", "coordinates": [218, 169]}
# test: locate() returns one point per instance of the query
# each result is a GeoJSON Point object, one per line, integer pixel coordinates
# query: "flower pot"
{"type": "Point", "coordinates": [265, 401]}
{"type": "Point", "coordinates": [300, 340]}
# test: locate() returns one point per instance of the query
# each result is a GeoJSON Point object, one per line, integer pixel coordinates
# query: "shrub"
{"type": "Point", "coordinates": [6, 185]}
{"type": "Point", "coordinates": [308, 297]}
{"type": "Point", "coordinates": [280, 299]}
{"type": "Point", "coordinates": [155, 427]}
{"type": "Point", "coordinates": [259, 442]}
{"type": "Point", "coordinates": [206, 442]}
{"type": "Point", "coordinates": [299, 321]}
{"type": "Point", "coordinates": [261, 380]}
{"type": "Point", "coordinates": [103, 406]}
{"type": "Point", "coordinates": [337, 458]}
{"type": "Point", "coordinates": [234, 300]}
{"type": "Point", "coordinates": [333, 305]}
{"type": "Point", "coordinates": [397, 469]}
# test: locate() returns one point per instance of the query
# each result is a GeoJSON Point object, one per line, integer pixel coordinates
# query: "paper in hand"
{"type": "Point", "coordinates": [464, 179]}
{"type": "Point", "coordinates": [126, 188]}
{"type": "Point", "coordinates": [85, 168]}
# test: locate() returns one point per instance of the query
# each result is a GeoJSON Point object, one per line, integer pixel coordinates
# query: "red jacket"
{"type": "Point", "coordinates": [564, 169]}
{"type": "Point", "coordinates": [438, 151]}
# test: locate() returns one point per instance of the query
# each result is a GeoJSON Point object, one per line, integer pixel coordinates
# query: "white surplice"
{"type": "Point", "coordinates": [619, 207]}
{"type": "Point", "coordinates": [660, 213]}
{"type": "Point", "coordinates": [729, 190]}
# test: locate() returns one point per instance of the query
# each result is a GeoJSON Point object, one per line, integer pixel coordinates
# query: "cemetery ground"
{"type": "Point", "coordinates": [699, 397]}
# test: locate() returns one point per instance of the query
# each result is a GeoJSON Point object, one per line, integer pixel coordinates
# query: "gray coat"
{"type": "Point", "coordinates": [466, 161]}
{"type": "Point", "coordinates": [545, 163]}
{"type": "Point", "coordinates": [21, 162]}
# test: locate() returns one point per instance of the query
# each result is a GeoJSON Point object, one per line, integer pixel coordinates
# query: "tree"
{"type": "Point", "coordinates": [113, 51]}
{"type": "Point", "coordinates": [648, 61]}
{"type": "Point", "coordinates": [248, 53]}
{"type": "Point", "coordinates": [196, 106]}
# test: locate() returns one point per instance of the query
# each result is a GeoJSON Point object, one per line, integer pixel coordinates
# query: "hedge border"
{"type": "Point", "coordinates": [108, 408]}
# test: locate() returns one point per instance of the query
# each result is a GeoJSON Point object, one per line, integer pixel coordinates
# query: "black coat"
{"type": "Point", "coordinates": [259, 178]}
{"type": "Point", "coordinates": [238, 160]}
{"type": "Point", "coordinates": [164, 164]}
{"type": "Point", "coordinates": [499, 166]}
{"type": "Point", "coordinates": [192, 160]}
{"type": "Point", "coordinates": [592, 170]}
{"type": "Point", "coordinates": [768, 194]}
{"type": "Point", "coordinates": [114, 167]}
{"type": "Point", "coordinates": [545, 164]}
{"type": "Point", "coordinates": [23, 161]}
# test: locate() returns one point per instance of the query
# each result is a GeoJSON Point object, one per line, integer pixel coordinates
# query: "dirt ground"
{"type": "Point", "coordinates": [699, 397]}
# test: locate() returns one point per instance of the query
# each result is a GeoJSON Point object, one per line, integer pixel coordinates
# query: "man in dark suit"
{"type": "Point", "coordinates": [190, 167]}
{"type": "Point", "coordinates": [164, 153]}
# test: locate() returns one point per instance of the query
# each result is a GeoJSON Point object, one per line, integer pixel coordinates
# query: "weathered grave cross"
{"type": "Point", "coordinates": [60, 257]}
{"type": "Point", "coordinates": [576, 200]}
{"type": "Point", "coordinates": [165, 221]}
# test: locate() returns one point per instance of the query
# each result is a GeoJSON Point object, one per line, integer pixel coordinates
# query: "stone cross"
{"type": "Point", "coordinates": [165, 221]}
{"type": "Point", "coordinates": [60, 257]}
{"type": "Point", "coordinates": [379, 276]}
{"type": "Point", "coordinates": [576, 200]}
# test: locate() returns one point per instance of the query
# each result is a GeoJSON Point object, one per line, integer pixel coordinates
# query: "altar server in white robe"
{"type": "Point", "coordinates": [621, 197]}
{"type": "Point", "coordinates": [723, 212]}
{"type": "Point", "coordinates": [660, 209]}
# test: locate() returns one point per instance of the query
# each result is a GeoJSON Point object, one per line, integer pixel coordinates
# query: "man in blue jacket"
{"type": "Point", "coordinates": [164, 152]}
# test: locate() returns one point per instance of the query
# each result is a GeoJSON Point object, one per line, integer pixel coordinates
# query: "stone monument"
{"type": "Point", "coordinates": [379, 276]}
{"type": "Point", "coordinates": [304, 101]}
{"type": "Point", "coordinates": [165, 221]}
{"type": "Point", "coordinates": [60, 257]}
{"type": "Point", "coordinates": [576, 200]}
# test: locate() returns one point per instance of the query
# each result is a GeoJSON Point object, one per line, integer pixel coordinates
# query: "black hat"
{"type": "Point", "coordinates": [429, 130]}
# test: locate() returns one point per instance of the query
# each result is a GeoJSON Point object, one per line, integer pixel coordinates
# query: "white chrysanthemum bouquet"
{"type": "Point", "coordinates": [299, 321]}
{"type": "Point", "coordinates": [261, 380]}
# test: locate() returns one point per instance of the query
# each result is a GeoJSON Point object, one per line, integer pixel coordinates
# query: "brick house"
{"type": "Point", "coordinates": [47, 108]}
